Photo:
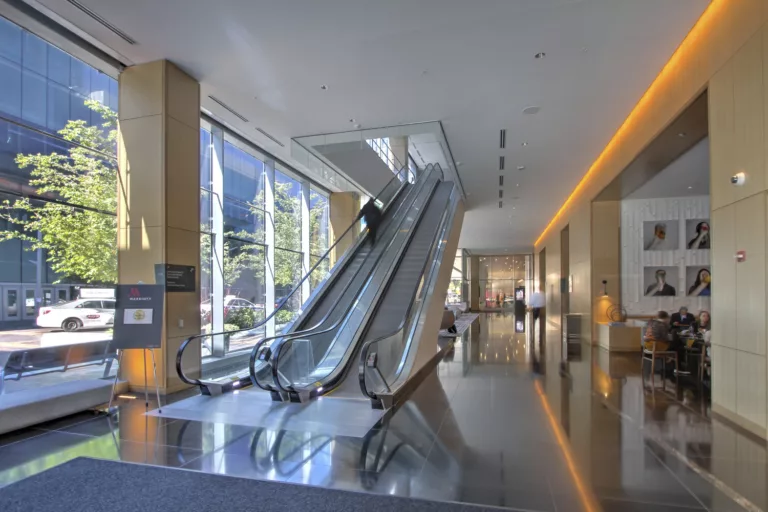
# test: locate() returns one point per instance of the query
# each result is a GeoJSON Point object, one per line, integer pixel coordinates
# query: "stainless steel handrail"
{"type": "Point", "coordinates": [179, 354]}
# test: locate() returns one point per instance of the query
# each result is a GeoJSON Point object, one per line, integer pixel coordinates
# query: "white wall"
{"type": "Point", "coordinates": [634, 258]}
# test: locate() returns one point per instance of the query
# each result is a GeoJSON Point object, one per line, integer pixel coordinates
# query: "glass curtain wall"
{"type": "Point", "coordinates": [499, 278]}
{"type": "Point", "coordinates": [261, 227]}
{"type": "Point", "coordinates": [57, 236]}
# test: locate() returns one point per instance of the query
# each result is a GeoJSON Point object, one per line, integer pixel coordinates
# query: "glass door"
{"type": "Point", "coordinates": [11, 304]}
{"type": "Point", "coordinates": [62, 295]}
{"type": "Point", "coordinates": [29, 307]}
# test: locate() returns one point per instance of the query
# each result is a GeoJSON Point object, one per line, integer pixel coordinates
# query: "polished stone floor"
{"type": "Point", "coordinates": [502, 421]}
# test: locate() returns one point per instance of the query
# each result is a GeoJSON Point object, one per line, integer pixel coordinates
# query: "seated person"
{"type": "Point", "coordinates": [657, 332]}
{"type": "Point", "coordinates": [682, 319]}
{"type": "Point", "coordinates": [703, 324]}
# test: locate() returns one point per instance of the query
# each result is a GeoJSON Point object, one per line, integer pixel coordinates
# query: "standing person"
{"type": "Point", "coordinates": [537, 302]}
{"type": "Point", "coordinates": [372, 215]}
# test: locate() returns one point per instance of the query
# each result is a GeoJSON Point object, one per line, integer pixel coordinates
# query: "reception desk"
{"type": "Point", "coordinates": [620, 337]}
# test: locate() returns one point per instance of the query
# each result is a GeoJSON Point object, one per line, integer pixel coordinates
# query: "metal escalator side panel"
{"type": "Point", "coordinates": [421, 334]}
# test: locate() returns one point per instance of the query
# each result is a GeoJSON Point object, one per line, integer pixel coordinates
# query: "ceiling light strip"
{"type": "Point", "coordinates": [696, 37]}
{"type": "Point", "coordinates": [503, 138]}
{"type": "Point", "coordinates": [501, 194]}
{"type": "Point", "coordinates": [501, 163]}
{"type": "Point", "coordinates": [228, 108]}
{"type": "Point", "coordinates": [119, 33]}
{"type": "Point", "coordinates": [501, 181]}
{"type": "Point", "coordinates": [500, 204]}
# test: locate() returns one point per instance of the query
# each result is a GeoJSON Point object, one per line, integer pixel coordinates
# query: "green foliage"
{"type": "Point", "coordinates": [244, 318]}
{"type": "Point", "coordinates": [284, 316]}
{"type": "Point", "coordinates": [232, 327]}
{"type": "Point", "coordinates": [238, 256]}
{"type": "Point", "coordinates": [80, 241]}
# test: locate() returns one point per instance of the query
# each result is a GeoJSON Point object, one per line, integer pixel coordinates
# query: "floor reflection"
{"type": "Point", "coordinates": [490, 426]}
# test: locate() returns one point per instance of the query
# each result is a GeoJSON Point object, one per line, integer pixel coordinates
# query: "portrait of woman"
{"type": "Point", "coordinates": [700, 238]}
{"type": "Point", "coordinates": [701, 286]}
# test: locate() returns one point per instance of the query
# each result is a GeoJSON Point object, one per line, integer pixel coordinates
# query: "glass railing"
{"type": "Point", "coordinates": [246, 322]}
{"type": "Point", "coordinates": [301, 369]}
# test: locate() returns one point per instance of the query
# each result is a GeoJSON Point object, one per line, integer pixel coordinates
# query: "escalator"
{"type": "Point", "coordinates": [218, 375]}
{"type": "Point", "coordinates": [318, 342]}
{"type": "Point", "coordinates": [371, 345]}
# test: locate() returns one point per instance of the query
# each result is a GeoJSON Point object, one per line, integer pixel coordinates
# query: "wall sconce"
{"type": "Point", "coordinates": [605, 288]}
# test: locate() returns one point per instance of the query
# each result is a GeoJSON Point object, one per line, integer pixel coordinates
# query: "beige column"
{"type": "Point", "coordinates": [344, 207]}
{"type": "Point", "coordinates": [159, 202]}
{"type": "Point", "coordinates": [474, 283]}
{"type": "Point", "coordinates": [399, 148]}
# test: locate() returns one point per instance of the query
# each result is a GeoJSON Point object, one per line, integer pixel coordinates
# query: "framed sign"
{"type": "Point", "coordinates": [138, 316]}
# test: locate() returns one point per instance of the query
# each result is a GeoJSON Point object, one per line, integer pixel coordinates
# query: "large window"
{"type": "Point", "coordinates": [499, 278]}
{"type": "Point", "coordinates": [58, 193]}
{"type": "Point", "coordinates": [318, 235]}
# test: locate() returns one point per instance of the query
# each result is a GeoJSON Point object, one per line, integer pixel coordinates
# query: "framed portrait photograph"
{"type": "Point", "coordinates": [697, 234]}
{"type": "Point", "coordinates": [661, 281]}
{"type": "Point", "coordinates": [698, 281]}
{"type": "Point", "coordinates": [661, 235]}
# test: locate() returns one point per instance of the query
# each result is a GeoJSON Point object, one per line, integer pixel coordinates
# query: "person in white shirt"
{"type": "Point", "coordinates": [536, 303]}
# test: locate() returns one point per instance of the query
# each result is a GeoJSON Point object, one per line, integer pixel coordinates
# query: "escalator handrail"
{"type": "Point", "coordinates": [179, 354]}
{"type": "Point", "coordinates": [368, 344]}
{"type": "Point", "coordinates": [276, 354]}
{"type": "Point", "coordinates": [256, 350]}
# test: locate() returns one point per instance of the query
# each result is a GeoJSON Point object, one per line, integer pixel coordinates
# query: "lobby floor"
{"type": "Point", "coordinates": [484, 428]}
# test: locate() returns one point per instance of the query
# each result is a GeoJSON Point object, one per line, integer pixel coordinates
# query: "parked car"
{"type": "Point", "coordinates": [78, 314]}
{"type": "Point", "coordinates": [231, 305]}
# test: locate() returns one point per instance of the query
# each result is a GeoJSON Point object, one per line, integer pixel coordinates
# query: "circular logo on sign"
{"type": "Point", "coordinates": [139, 314]}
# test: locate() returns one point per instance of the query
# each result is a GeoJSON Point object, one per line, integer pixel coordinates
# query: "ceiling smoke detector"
{"type": "Point", "coordinates": [524, 144]}
{"type": "Point", "coordinates": [540, 55]}
{"type": "Point", "coordinates": [530, 110]}
{"type": "Point", "coordinates": [324, 87]}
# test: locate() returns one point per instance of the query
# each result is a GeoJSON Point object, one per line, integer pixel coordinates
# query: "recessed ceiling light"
{"type": "Point", "coordinates": [690, 188]}
{"type": "Point", "coordinates": [533, 109]}
{"type": "Point", "coordinates": [324, 87]}
{"type": "Point", "coordinates": [459, 164]}
{"type": "Point", "coordinates": [520, 167]}
{"type": "Point", "coordinates": [682, 135]}
{"type": "Point", "coordinates": [524, 144]}
{"type": "Point", "coordinates": [517, 184]}
{"type": "Point", "coordinates": [540, 55]}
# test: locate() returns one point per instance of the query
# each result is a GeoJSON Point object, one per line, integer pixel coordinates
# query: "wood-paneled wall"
{"type": "Point", "coordinates": [728, 47]}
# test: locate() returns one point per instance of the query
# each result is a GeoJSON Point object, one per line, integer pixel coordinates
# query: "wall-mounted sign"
{"type": "Point", "coordinates": [138, 316]}
{"type": "Point", "coordinates": [177, 278]}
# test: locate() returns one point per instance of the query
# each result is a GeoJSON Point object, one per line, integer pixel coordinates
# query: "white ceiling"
{"type": "Point", "coordinates": [687, 176]}
{"type": "Point", "coordinates": [468, 64]}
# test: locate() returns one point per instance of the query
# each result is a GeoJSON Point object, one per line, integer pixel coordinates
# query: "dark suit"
{"type": "Point", "coordinates": [682, 321]}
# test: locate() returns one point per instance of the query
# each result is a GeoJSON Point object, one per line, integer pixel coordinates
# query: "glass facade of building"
{"type": "Point", "coordinates": [262, 225]}
{"type": "Point", "coordinates": [500, 277]}
{"type": "Point", "coordinates": [53, 232]}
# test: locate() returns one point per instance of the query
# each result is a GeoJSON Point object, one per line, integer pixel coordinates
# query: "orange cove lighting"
{"type": "Point", "coordinates": [691, 42]}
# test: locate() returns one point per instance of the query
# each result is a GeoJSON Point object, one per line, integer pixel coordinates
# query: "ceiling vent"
{"type": "Point", "coordinates": [501, 163]}
{"type": "Point", "coordinates": [88, 12]}
{"type": "Point", "coordinates": [501, 181]}
{"type": "Point", "coordinates": [503, 138]}
{"type": "Point", "coordinates": [501, 194]}
{"type": "Point", "coordinates": [228, 108]}
{"type": "Point", "coordinates": [270, 137]}
{"type": "Point", "coordinates": [500, 204]}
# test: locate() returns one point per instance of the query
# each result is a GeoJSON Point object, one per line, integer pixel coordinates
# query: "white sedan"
{"type": "Point", "coordinates": [78, 314]}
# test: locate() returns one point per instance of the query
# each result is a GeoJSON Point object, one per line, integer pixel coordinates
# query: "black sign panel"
{"type": "Point", "coordinates": [179, 278]}
{"type": "Point", "coordinates": [138, 316]}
